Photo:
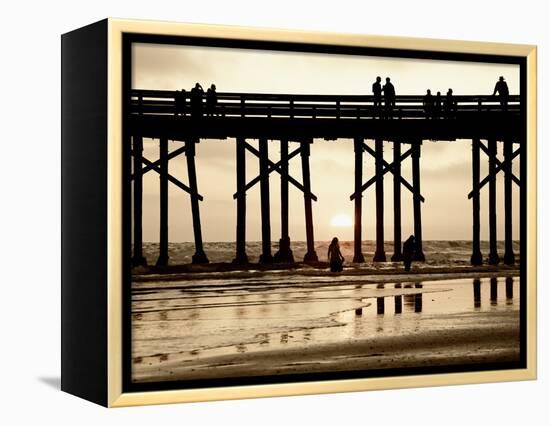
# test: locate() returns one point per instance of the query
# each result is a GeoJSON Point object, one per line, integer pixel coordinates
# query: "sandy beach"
{"type": "Point", "coordinates": [256, 323]}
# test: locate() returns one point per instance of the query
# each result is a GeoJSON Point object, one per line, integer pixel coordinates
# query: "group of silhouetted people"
{"type": "Point", "coordinates": [197, 106]}
{"type": "Point", "coordinates": [336, 259]}
{"type": "Point", "coordinates": [434, 106]}
{"type": "Point", "coordinates": [389, 96]}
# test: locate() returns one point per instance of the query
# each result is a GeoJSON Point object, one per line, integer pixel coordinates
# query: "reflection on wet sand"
{"type": "Point", "coordinates": [191, 333]}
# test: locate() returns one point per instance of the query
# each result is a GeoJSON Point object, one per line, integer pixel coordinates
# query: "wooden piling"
{"type": "Point", "coordinates": [199, 256]}
{"type": "Point", "coordinates": [509, 288]}
{"type": "Point", "coordinates": [138, 259]}
{"type": "Point", "coordinates": [311, 255]}
{"type": "Point", "coordinates": [477, 292]}
{"type": "Point", "coordinates": [494, 290]}
{"type": "Point", "coordinates": [494, 258]}
{"type": "Point", "coordinates": [419, 253]}
{"type": "Point", "coordinates": [163, 178]}
{"type": "Point", "coordinates": [477, 258]}
{"type": "Point", "coordinates": [509, 257]}
{"type": "Point", "coordinates": [397, 255]}
{"type": "Point", "coordinates": [284, 254]}
{"type": "Point", "coordinates": [358, 256]}
{"type": "Point", "coordinates": [379, 255]}
{"type": "Point", "coordinates": [241, 256]}
{"type": "Point", "coordinates": [266, 256]}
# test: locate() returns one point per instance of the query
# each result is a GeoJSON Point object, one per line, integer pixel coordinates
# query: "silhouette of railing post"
{"type": "Point", "coordinates": [477, 258]}
{"type": "Point", "coordinates": [509, 257]}
{"type": "Point", "coordinates": [397, 256]}
{"type": "Point", "coordinates": [358, 256]}
{"type": "Point", "coordinates": [494, 258]}
{"type": "Point", "coordinates": [379, 255]}
{"type": "Point", "coordinates": [199, 256]}
{"type": "Point", "coordinates": [509, 288]}
{"type": "Point", "coordinates": [311, 255]}
{"type": "Point", "coordinates": [266, 256]}
{"type": "Point", "coordinates": [138, 259]}
{"type": "Point", "coordinates": [417, 212]}
{"type": "Point", "coordinates": [477, 292]}
{"type": "Point", "coordinates": [398, 301]}
{"type": "Point", "coordinates": [285, 253]}
{"type": "Point", "coordinates": [163, 178]}
{"type": "Point", "coordinates": [241, 256]}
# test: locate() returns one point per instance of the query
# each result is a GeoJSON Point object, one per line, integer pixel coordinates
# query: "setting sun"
{"type": "Point", "coordinates": [341, 220]}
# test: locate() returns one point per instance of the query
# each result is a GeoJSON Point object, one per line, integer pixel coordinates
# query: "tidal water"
{"type": "Point", "coordinates": [194, 320]}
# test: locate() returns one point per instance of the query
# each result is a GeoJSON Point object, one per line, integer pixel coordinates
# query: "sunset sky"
{"type": "Point", "coordinates": [445, 166]}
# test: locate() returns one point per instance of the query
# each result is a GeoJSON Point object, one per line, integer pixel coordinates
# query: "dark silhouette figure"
{"type": "Point", "coordinates": [180, 101]}
{"type": "Point", "coordinates": [450, 106]}
{"type": "Point", "coordinates": [335, 257]}
{"type": "Point", "coordinates": [503, 93]}
{"type": "Point", "coordinates": [438, 105]}
{"type": "Point", "coordinates": [428, 104]}
{"type": "Point", "coordinates": [197, 93]}
{"type": "Point", "coordinates": [409, 247]}
{"type": "Point", "coordinates": [211, 100]}
{"type": "Point", "coordinates": [284, 255]}
{"type": "Point", "coordinates": [389, 96]}
{"type": "Point", "coordinates": [377, 93]}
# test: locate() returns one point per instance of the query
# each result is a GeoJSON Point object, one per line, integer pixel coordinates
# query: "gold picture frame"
{"type": "Point", "coordinates": [116, 397]}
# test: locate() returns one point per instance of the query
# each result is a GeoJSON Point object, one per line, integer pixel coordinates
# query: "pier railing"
{"type": "Point", "coordinates": [250, 105]}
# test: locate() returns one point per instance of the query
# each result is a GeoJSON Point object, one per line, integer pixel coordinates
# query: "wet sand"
{"type": "Point", "coordinates": [199, 329]}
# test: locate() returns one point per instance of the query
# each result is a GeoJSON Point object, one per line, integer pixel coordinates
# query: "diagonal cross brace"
{"type": "Point", "coordinates": [388, 168]}
{"type": "Point", "coordinates": [277, 168]}
{"type": "Point", "coordinates": [172, 179]}
{"type": "Point", "coordinates": [500, 165]}
{"type": "Point", "coordinates": [497, 169]}
{"type": "Point", "coordinates": [171, 155]}
{"type": "Point", "coordinates": [272, 167]}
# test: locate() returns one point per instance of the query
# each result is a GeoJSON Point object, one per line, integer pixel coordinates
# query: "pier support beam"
{"type": "Point", "coordinates": [311, 255]}
{"type": "Point", "coordinates": [266, 256]}
{"type": "Point", "coordinates": [284, 254]}
{"type": "Point", "coordinates": [477, 258]}
{"type": "Point", "coordinates": [358, 256]}
{"type": "Point", "coordinates": [241, 256]}
{"type": "Point", "coordinates": [138, 259]}
{"type": "Point", "coordinates": [379, 255]}
{"type": "Point", "coordinates": [509, 257]}
{"type": "Point", "coordinates": [397, 255]}
{"type": "Point", "coordinates": [199, 256]}
{"type": "Point", "coordinates": [163, 178]}
{"type": "Point", "coordinates": [419, 253]}
{"type": "Point", "coordinates": [494, 258]}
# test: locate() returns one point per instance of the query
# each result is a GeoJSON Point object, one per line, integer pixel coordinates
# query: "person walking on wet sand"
{"type": "Point", "coordinates": [502, 89]}
{"type": "Point", "coordinates": [409, 248]}
{"type": "Point", "coordinates": [335, 258]}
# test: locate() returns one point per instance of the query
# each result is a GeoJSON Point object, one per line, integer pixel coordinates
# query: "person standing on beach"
{"type": "Point", "coordinates": [335, 258]}
{"type": "Point", "coordinates": [409, 248]}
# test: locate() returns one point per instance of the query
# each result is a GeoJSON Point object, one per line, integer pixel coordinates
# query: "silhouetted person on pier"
{"type": "Point", "coordinates": [409, 248]}
{"type": "Point", "coordinates": [428, 104]}
{"type": "Point", "coordinates": [197, 94]}
{"type": "Point", "coordinates": [377, 93]}
{"type": "Point", "coordinates": [449, 104]}
{"type": "Point", "coordinates": [438, 105]}
{"type": "Point", "coordinates": [180, 101]}
{"type": "Point", "coordinates": [211, 100]}
{"type": "Point", "coordinates": [335, 257]}
{"type": "Point", "coordinates": [503, 93]}
{"type": "Point", "coordinates": [389, 96]}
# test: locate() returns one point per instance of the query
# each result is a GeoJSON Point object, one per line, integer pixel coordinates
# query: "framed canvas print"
{"type": "Point", "coordinates": [251, 212]}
